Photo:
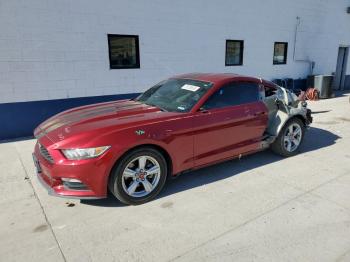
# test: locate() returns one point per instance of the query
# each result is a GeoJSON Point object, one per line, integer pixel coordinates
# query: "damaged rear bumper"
{"type": "Point", "coordinates": [308, 117]}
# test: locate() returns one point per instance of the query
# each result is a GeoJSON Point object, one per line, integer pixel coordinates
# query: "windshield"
{"type": "Point", "coordinates": [175, 95]}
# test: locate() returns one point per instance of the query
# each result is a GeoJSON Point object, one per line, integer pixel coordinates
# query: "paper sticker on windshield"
{"type": "Point", "coordinates": [190, 87]}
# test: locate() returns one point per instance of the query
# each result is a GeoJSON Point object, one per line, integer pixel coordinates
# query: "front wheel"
{"type": "Point", "coordinates": [139, 176]}
{"type": "Point", "coordinates": [290, 138]}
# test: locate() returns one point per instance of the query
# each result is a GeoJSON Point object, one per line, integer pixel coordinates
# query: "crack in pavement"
{"type": "Point", "coordinates": [317, 187]}
{"type": "Point", "coordinates": [41, 206]}
{"type": "Point", "coordinates": [307, 192]}
{"type": "Point", "coordinates": [342, 256]}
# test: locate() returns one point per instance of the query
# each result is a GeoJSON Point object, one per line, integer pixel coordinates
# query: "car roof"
{"type": "Point", "coordinates": [222, 78]}
{"type": "Point", "coordinates": [216, 78]}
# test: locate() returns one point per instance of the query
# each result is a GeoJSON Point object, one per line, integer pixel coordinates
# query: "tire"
{"type": "Point", "coordinates": [286, 145]}
{"type": "Point", "coordinates": [135, 180]}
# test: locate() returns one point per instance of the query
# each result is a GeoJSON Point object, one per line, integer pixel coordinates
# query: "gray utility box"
{"type": "Point", "coordinates": [323, 83]}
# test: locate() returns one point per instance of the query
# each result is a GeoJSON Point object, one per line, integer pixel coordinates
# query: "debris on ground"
{"type": "Point", "coordinates": [70, 204]}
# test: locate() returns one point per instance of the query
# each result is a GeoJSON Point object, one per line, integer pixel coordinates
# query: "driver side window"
{"type": "Point", "coordinates": [233, 94]}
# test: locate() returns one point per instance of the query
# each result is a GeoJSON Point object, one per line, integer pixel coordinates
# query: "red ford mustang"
{"type": "Point", "coordinates": [130, 147]}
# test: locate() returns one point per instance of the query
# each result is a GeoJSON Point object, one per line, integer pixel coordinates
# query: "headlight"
{"type": "Point", "coordinates": [84, 153]}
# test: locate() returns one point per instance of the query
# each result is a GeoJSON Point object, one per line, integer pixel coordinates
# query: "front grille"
{"type": "Point", "coordinates": [45, 153]}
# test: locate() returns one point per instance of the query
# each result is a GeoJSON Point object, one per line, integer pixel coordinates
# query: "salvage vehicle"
{"type": "Point", "coordinates": [130, 147]}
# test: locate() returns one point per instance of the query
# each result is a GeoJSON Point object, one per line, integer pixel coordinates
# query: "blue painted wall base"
{"type": "Point", "coordinates": [19, 119]}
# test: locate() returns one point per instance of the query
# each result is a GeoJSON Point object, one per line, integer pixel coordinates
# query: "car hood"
{"type": "Point", "coordinates": [96, 117]}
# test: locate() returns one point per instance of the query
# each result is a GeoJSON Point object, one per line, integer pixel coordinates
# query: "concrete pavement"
{"type": "Point", "coordinates": [260, 208]}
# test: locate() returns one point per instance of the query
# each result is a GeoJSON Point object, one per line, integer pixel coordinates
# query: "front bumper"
{"type": "Point", "coordinates": [51, 191]}
{"type": "Point", "coordinates": [92, 173]}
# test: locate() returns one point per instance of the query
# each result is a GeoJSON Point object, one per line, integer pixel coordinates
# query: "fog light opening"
{"type": "Point", "coordinates": [72, 180]}
{"type": "Point", "coordinates": [73, 184]}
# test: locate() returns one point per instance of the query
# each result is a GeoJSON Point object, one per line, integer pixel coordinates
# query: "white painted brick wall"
{"type": "Point", "coordinates": [52, 49]}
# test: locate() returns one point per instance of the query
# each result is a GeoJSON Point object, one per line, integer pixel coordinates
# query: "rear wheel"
{"type": "Point", "coordinates": [290, 138]}
{"type": "Point", "coordinates": [139, 176]}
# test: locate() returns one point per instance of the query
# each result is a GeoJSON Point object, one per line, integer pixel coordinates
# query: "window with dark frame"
{"type": "Point", "coordinates": [233, 94]}
{"type": "Point", "coordinates": [234, 52]}
{"type": "Point", "coordinates": [123, 51]}
{"type": "Point", "coordinates": [280, 53]}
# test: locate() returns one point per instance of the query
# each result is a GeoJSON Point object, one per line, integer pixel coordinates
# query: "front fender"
{"type": "Point", "coordinates": [128, 139]}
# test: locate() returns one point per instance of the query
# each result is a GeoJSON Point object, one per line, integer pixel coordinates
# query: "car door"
{"type": "Point", "coordinates": [231, 122]}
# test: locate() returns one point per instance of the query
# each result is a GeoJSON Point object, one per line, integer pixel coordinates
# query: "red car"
{"type": "Point", "coordinates": [131, 147]}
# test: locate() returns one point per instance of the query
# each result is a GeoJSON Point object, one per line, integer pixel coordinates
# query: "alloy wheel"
{"type": "Point", "coordinates": [141, 176]}
{"type": "Point", "coordinates": [292, 137]}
